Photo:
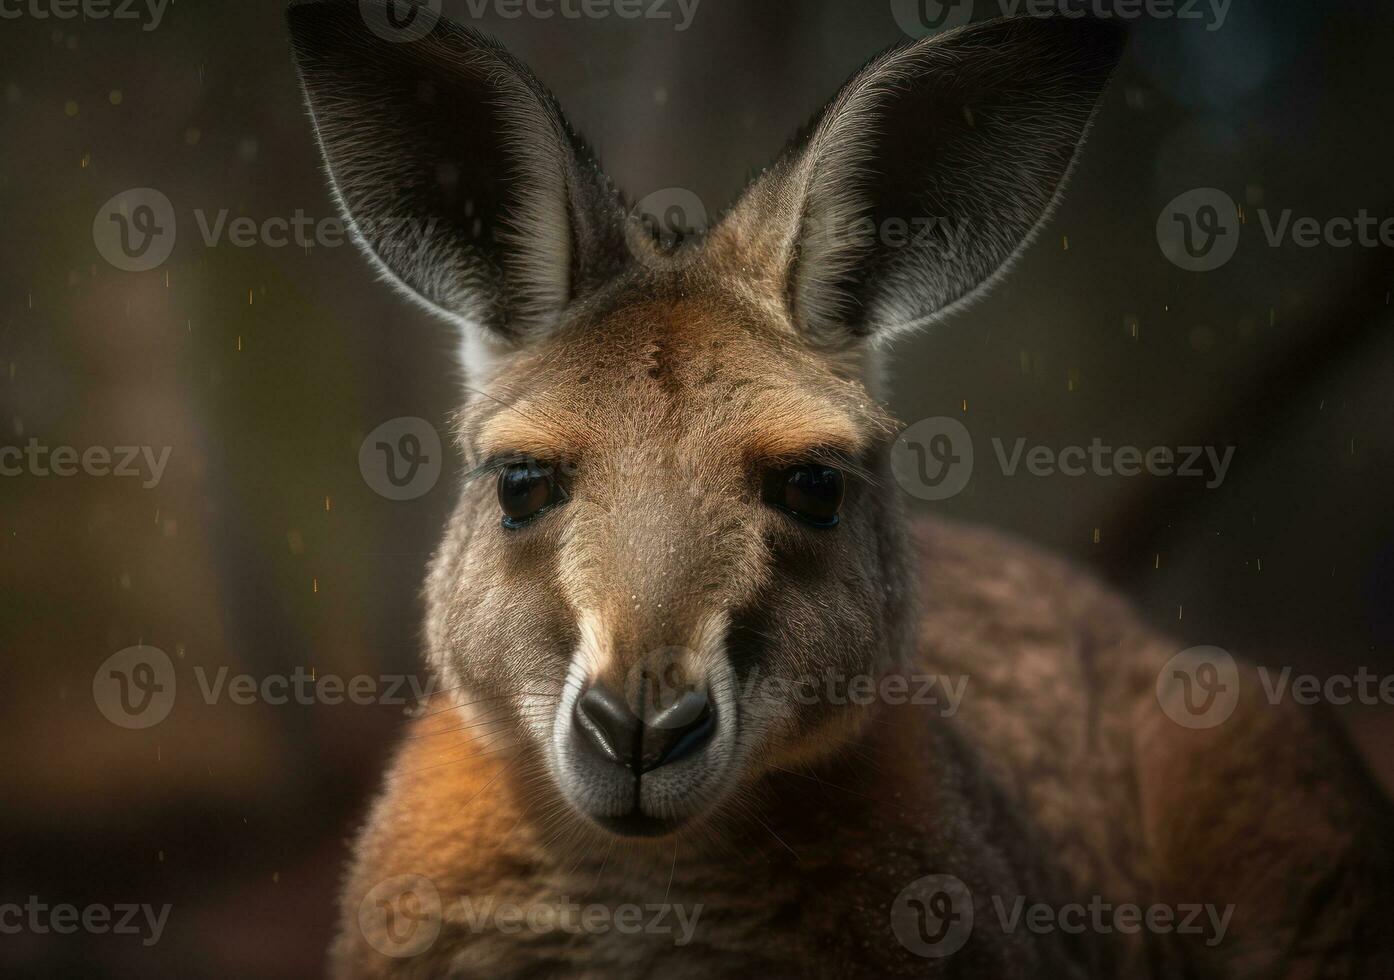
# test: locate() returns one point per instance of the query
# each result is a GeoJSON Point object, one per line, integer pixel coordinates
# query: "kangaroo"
{"type": "Point", "coordinates": [696, 666]}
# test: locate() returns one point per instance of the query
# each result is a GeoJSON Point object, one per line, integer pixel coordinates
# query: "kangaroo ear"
{"type": "Point", "coordinates": [454, 168]}
{"type": "Point", "coordinates": [925, 175]}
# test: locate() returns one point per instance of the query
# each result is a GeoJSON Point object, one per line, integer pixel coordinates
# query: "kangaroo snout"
{"type": "Point", "coordinates": [643, 744]}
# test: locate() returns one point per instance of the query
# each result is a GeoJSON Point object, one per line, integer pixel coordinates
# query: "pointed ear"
{"type": "Point", "coordinates": [455, 170]}
{"type": "Point", "coordinates": [926, 174]}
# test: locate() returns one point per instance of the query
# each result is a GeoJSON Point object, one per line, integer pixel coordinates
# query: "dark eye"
{"type": "Point", "coordinates": [811, 492]}
{"type": "Point", "coordinates": [526, 489]}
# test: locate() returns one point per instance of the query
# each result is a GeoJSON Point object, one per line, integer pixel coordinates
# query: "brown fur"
{"type": "Point", "coordinates": [1060, 776]}
{"type": "Point", "coordinates": [1131, 803]}
{"type": "Point", "coordinates": [662, 391]}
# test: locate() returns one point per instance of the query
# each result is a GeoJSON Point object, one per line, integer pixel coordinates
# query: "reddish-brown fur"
{"type": "Point", "coordinates": [661, 392]}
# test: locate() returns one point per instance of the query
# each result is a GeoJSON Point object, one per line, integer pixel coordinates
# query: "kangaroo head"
{"type": "Point", "coordinates": [678, 518]}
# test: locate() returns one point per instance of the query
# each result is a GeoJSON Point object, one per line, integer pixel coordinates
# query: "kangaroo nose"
{"type": "Point", "coordinates": [670, 734]}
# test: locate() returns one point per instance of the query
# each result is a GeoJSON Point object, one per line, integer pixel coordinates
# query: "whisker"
{"type": "Point", "coordinates": [603, 864]}
{"type": "Point", "coordinates": [493, 697]}
{"type": "Point", "coordinates": [825, 783]}
{"type": "Point", "coordinates": [481, 755]}
{"type": "Point", "coordinates": [539, 712]}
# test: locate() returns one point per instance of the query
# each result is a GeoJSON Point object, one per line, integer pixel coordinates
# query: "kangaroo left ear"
{"type": "Point", "coordinates": [456, 170]}
{"type": "Point", "coordinates": [926, 175]}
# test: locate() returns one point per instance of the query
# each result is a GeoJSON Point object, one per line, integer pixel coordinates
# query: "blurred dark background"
{"type": "Point", "coordinates": [264, 550]}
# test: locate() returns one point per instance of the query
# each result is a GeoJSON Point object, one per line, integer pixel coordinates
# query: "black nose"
{"type": "Point", "coordinates": [669, 734]}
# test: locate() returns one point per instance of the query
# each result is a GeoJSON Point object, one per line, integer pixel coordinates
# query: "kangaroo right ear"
{"type": "Point", "coordinates": [925, 175]}
{"type": "Point", "coordinates": [455, 169]}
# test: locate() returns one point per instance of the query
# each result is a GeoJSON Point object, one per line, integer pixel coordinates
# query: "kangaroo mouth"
{"type": "Point", "coordinates": [643, 777]}
{"type": "Point", "coordinates": [639, 824]}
